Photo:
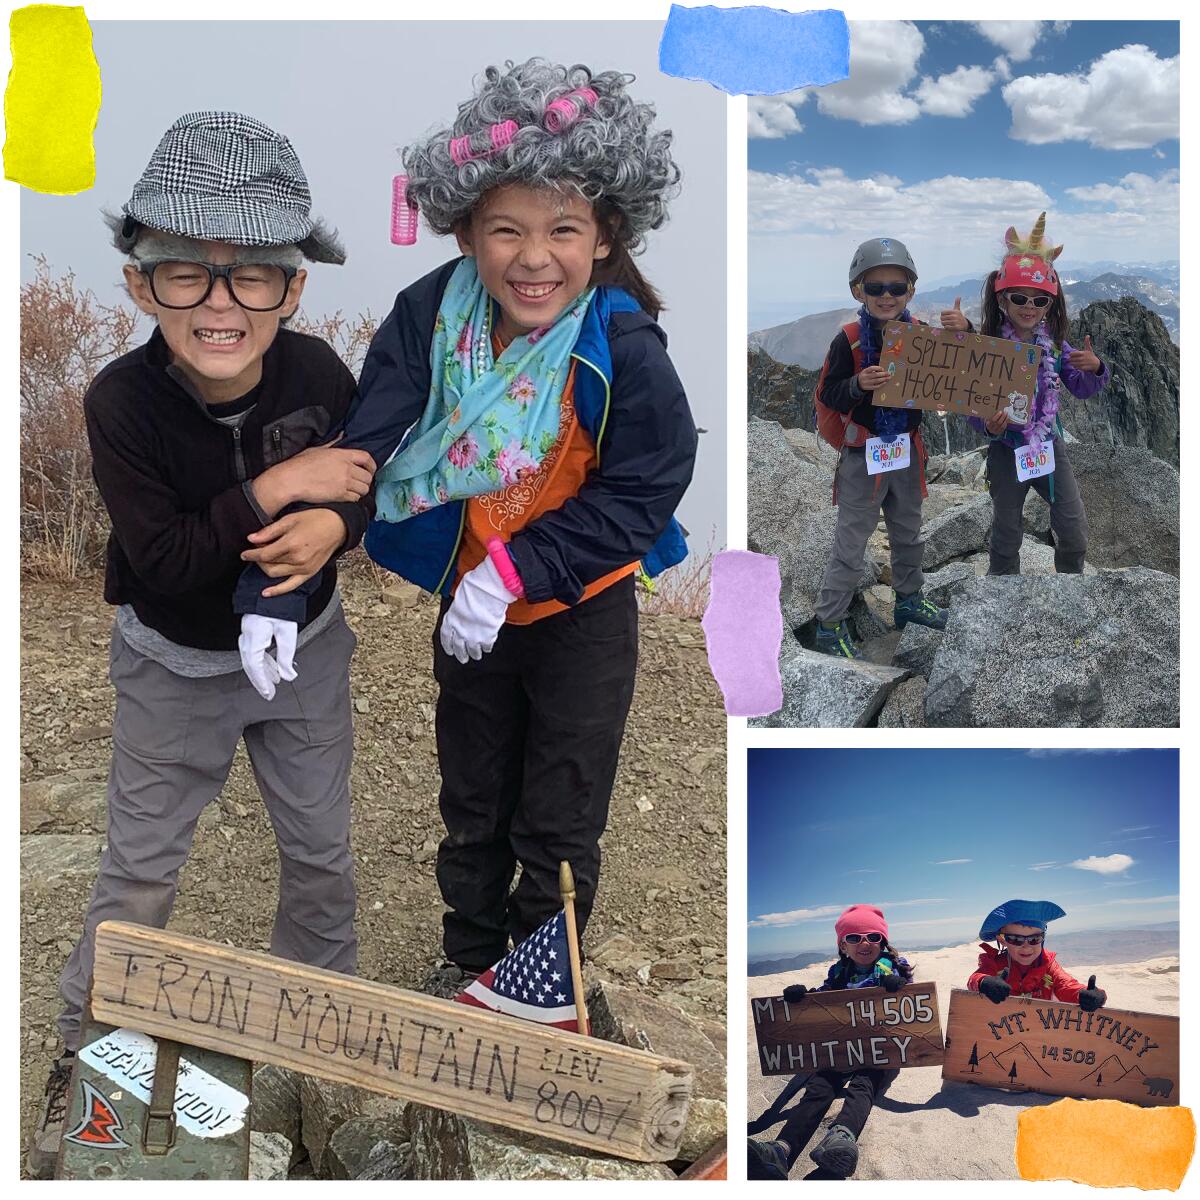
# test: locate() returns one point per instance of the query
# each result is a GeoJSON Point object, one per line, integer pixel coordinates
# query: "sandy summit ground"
{"type": "Point", "coordinates": [922, 1129]}
{"type": "Point", "coordinates": [663, 880]}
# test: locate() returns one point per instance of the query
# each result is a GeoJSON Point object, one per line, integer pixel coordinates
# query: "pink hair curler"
{"type": "Point", "coordinates": [404, 214]}
{"type": "Point", "coordinates": [483, 144]}
{"type": "Point", "coordinates": [566, 110]}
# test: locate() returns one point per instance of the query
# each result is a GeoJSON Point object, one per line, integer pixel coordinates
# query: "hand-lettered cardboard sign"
{"type": "Point", "coordinates": [1030, 1045]}
{"type": "Point", "coordinates": [466, 1060]}
{"type": "Point", "coordinates": [965, 372]}
{"type": "Point", "coordinates": [852, 1030]}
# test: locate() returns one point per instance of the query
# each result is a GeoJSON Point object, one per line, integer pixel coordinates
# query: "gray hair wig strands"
{"type": "Point", "coordinates": [609, 153]}
{"type": "Point", "coordinates": [158, 245]}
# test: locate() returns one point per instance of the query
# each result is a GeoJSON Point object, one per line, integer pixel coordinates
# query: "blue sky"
{"type": "Point", "coordinates": [947, 132]}
{"type": "Point", "coordinates": [937, 838]}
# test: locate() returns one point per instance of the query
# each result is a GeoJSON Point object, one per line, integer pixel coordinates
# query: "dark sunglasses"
{"type": "Point", "coordinates": [1020, 301]}
{"type": "Point", "coordinates": [853, 939]}
{"type": "Point", "coordinates": [892, 289]}
{"type": "Point", "coordinates": [1023, 939]}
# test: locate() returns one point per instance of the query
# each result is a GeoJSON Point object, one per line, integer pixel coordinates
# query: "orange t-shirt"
{"type": "Point", "coordinates": [503, 513]}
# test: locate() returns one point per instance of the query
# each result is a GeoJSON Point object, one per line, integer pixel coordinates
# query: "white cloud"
{"type": "Point", "coordinates": [1016, 38]}
{"type": "Point", "coordinates": [1110, 864]}
{"type": "Point", "coordinates": [1134, 192]}
{"type": "Point", "coordinates": [1001, 67]}
{"type": "Point", "coordinates": [774, 116]}
{"type": "Point", "coordinates": [1128, 100]}
{"type": "Point", "coordinates": [949, 862]}
{"type": "Point", "coordinates": [883, 62]}
{"type": "Point", "coordinates": [798, 915]}
{"type": "Point", "coordinates": [954, 94]}
{"type": "Point", "coordinates": [1043, 866]}
{"type": "Point", "coordinates": [1136, 828]}
{"type": "Point", "coordinates": [1051, 752]}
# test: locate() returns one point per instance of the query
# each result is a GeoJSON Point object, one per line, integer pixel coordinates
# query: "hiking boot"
{"type": "Point", "coordinates": [837, 1152]}
{"type": "Point", "coordinates": [836, 640]}
{"type": "Point", "coordinates": [766, 1160]}
{"type": "Point", "coordinates": [919, 611]}
{"type": "Point", "coordinates": [48, 1136]}
{"type": "Point", "coordinates": [447, 979]}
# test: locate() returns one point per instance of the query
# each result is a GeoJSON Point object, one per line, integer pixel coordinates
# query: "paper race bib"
{"type": "Point", "coordinates": [888, 456]}
{"type": "Point", "coordinates": [1034, 463]}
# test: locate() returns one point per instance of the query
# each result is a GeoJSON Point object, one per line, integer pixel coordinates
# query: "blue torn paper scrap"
{"type": "Point", "coordinates": [755, 51]}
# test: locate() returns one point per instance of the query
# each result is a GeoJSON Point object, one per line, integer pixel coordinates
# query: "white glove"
{"type": "Point", "coordinates": [261, 669]}
{"type": "Point", "coordinates": [473, 621]}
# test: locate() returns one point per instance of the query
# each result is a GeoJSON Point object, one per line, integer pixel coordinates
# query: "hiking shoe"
{"type": "Point", "coordinates": [919, 611]}
{"type": "Point", "coordinates": [766, 1160]}
{"type": "Point", "coordinates": [836, 640]}
{"type": "Point", "coordinates": [447, 979]}
{"type": "Point", "coordinates": [837, 1152]}
{"type": "Point", "coordinates": [48, 1136]}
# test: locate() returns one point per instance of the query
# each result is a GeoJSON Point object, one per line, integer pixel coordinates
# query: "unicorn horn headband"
{"type": "Point", "coordinates": [560, 114]}
{"type": "Point", "coordinates": [1028, 261]}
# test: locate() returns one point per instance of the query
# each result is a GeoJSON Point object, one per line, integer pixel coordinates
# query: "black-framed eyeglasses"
{"type": "Point", "coordinates": [892, 289]}
{"type": "Point", "coordinates": [1023, 939]}
{"type": "Point", "coordinates": [853, 939]}
{"type": "Point", "coordinates": [1020, 301]}
{"type": "Point", "coordinates": [258, 287]}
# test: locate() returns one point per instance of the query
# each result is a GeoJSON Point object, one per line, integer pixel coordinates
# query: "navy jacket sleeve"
{"type": "Point", "coordinates": [840, 390]}
{"type": "Point", "coordinates": [646, 460]}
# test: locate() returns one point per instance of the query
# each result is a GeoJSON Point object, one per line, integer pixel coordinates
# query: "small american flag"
{"type": "Point", "coordinates": [533, 981]}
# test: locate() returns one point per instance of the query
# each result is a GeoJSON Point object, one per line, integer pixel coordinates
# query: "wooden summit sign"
{"type": "Point", "coordinates": [466, 1060]}
{"type": "Point", "coordinates": [965, 373]}
{"type": "Point", "coordinates": [1034, 1045]}
{"type": "Point", "coordinates": [852, 1030]}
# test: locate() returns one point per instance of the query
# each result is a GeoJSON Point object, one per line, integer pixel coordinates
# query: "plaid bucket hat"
{"type": "Point", "coordinates": [225, 177]}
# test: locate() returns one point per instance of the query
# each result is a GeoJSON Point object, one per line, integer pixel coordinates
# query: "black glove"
{"type": "Point", "coordinates": [794, 993]}
{"type": "Point", "coordinates": [994, 988]}
{"type": "Point", "coordinates": [1092, 997]}
{"type": "Point", "coordinates": [892, 983]}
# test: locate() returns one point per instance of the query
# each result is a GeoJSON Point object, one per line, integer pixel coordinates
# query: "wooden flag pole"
{"type": "Point", "coordinates": [566, 886]}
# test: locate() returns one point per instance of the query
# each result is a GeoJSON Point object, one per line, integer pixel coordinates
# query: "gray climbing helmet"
{"type": "Point", "coordinates": [881, 252]}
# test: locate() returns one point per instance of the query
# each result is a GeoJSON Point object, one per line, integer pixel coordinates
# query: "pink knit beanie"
{"type": "Point", "coordinates": [861, 918]}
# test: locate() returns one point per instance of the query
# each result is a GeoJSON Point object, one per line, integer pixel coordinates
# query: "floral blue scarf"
{"type": "Point", "coordinates": [489, 421]}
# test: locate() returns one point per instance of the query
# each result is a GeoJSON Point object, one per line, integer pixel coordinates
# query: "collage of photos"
{"type": "Point", "coordinates": [415, 725]}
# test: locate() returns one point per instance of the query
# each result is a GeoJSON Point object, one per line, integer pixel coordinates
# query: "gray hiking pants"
{"type": "Point", "coordinates": [174, 740]}
{"type": "Point", "coordinates": [860, 498]}
{"type": "Point", "coordinates": [1067, 518]}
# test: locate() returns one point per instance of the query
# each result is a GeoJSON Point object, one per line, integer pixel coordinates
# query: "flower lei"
{"type": "Point", "coordinates": [888, 421]}
{"type": "Point", "coordinates": [1045, 403]}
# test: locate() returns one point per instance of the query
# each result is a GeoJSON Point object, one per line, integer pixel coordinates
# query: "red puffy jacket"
{"type": "Point", "coordinates": [1043, 979]}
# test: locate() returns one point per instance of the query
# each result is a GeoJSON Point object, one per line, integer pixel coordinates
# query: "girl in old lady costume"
{"type": "Point", "coordinates": [550, 443]}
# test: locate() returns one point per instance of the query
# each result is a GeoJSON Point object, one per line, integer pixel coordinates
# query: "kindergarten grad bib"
{"type": "Point", "coordinates": [1035, 461]}
{"type": "Point", "coordinates": [888, 456]}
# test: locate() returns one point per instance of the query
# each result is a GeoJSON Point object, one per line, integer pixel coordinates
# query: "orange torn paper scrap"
{"type": "Point", "coordinates": [52, 100]}
{"type": "Point", "coordinates": [1106, 1143]}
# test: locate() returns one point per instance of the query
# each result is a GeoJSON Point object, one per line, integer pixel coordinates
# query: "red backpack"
{"type": "Point", "coordinates": [837, 428]}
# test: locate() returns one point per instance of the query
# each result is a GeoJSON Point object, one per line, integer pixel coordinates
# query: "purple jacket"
{"type": "Point", "coordinates": [1081, 384]}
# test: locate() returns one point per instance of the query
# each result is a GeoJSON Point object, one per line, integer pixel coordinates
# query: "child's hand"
{"type": "Point", "coordinates": [316, 474]}
{"type": "Point", "coordinates": [997, 423]}
{"type": "Point", "coordinates": [952, 318]}
{"type": "Point", "coordinates": [1085, 359]}
{"type": "Point", "coordinates": [296, 547]}
{"type": "Point", "coordinates": [870, 378]}
{"type": "Point", "coordinates": [1092, 997]}
{"type": "Point", "coordinates": [794, 993]}
{"type": "Point", "coordinates": [994, 988]}
{"type": "Point", "coordinates": [892, 982]}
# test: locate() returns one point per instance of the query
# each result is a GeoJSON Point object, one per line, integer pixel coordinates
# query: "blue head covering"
{"type": "Point", "coordinates": [1019, 912]}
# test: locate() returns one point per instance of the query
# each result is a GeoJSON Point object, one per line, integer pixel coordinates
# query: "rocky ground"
{"type": "Point", "coordinates": [658, 929]}
{"type": "Point", "coordinates": [1098, 649]}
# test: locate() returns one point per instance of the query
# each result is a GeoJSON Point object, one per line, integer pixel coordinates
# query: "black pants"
{"type": "Point", "coordinates": [862, 1089]}
{"type": "Point", "coordinates": [528, 740]}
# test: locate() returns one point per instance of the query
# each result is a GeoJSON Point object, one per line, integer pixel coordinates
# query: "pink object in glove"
{"type": "Point", "coordinates": [498, 553]}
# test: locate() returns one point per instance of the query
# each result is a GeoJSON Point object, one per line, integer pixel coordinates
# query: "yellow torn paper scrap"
{"type": "Point", "coordinates": [52, 100]}
{"type": "Point", "coordinates": [1106, 1143]}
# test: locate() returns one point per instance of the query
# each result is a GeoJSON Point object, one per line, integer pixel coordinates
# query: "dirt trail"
{"type": "Point", "coordinates": [663, 880]}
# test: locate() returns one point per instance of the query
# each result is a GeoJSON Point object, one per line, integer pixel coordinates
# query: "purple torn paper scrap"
{"type": "Point", "coordinates": [744, 629]}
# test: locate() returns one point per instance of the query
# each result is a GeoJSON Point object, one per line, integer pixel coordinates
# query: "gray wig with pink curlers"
{"type": "Point", "coordinates": [544, 125]}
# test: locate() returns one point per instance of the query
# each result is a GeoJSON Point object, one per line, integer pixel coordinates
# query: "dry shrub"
{"type": "Point", "coordinates": [681, 591]}
{"type": "Point", "coordinates": [349, 336]}
{"type": "Point", "coordinates": [67, 336]}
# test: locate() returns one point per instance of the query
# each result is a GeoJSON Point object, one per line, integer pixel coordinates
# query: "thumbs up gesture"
{"type": "Point", "coordinates": [1092, 997]}
{"type": "Point", "coordinates": [1085, 359]}
{"type": "Point", "coordinates": [953, 318]}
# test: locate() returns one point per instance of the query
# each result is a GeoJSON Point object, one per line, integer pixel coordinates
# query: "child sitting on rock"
{"type": "Point", "coordinates": [882, 278]}
{"type": "Point", "coordinates": [865, 959]}
{"type": "Point", "coordinates": [1020, 964]}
